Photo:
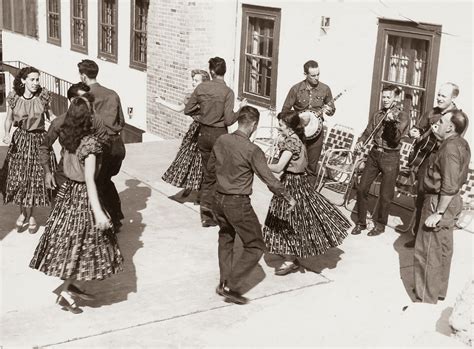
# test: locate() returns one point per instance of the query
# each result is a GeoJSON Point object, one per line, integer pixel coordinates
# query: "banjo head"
{"type": "Point", "coordinates": [312, 122]}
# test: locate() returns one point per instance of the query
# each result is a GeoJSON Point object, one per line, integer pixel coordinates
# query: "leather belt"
{"type": "Point", "coordinates": [385, 150]}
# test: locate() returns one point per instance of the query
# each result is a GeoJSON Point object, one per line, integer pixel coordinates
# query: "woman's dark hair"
{"type": "Point", "coordinates": [293, 121]}
{"type": "Point", "coordinates": [77, 123]}
{"type": "Point", "coordinates": [23, 73]}
{"type": "Point", "coordinates": [73, 90]}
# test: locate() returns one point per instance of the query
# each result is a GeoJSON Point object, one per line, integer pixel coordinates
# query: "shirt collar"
{"type": "Point", "coordinates": [220, 81]}
{"type": "Point", "coordinates": [307, 86]}
{"type": "Point", "coordinates": [241, 134]}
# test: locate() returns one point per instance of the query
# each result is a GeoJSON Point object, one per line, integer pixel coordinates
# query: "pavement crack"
{"type": "Point", "coordinates": [175, 317]}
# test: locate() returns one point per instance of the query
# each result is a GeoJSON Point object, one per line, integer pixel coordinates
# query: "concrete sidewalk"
{"type": "Point", "coordinates": [355, 295]}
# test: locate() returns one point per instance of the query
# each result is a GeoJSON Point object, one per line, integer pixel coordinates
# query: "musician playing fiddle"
{"type": "Point", "coordinates": [311, 94]}
{"type": "Point", "coordinates": [427, 143]}
{"type": "Point", "coordinates": [387, 126]}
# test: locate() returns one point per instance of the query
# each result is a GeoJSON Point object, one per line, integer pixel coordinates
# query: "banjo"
{"type": "Point", "coordinates": [313, 120]}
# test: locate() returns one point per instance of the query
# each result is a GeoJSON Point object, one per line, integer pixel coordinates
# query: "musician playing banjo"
{"type": "Point", "coordinates": [387, 126]}
{"type": "Point", "coordinates": [427, 143]}
{"type": "Point", "coordinates": [311, 94]}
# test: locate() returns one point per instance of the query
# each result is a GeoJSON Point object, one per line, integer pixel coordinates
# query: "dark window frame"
{"type": "Point", "coordinates": [50, 39]}
{"type": "Point", "coordinates": [406, 29]}
{"type": "Point", "coordinates": [111, 57]}
{"type": "Point", "coordinates": [85, 19]}
{"type": "Point", "coordinates": [140, 65]}
{"type": "Point", "coordinates": [264, 13]}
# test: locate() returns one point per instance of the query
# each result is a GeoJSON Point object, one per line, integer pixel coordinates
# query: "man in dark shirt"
{"type": "Point", "coordinates": [447, 93]}
{"type": "Point", "coordinates": [216, 104]}
{"type": "Point", "coordinates": [384, 158]}
{"type": "Point", "coordinates": [107, 107]}
{"type": "Point", "coordinates": [311, 94]}
{"type": "Point", "coordinates": [446, 173]}
{"type": "Point", "coordinates": [233, 162]}
{"type": "Point", "coordinates": [55, 181]}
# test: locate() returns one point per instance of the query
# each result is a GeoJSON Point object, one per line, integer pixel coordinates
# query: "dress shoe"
{"type": "Point", "coordinates": [233, 296]}
{"type": "Point", "coordinates": [358, 229]}
{"type": "Point", "coordinates": [220, 289]}
{"type": "Point", "coordinates": [208, 223]}
{"type": "Point", "coordinates": [375, 231]}
{"type": "Point", "coordinates": [287, 268]}
{"type": "Point", "coordinates": [410, 244]}
{"type": "Point", "coordinates": [76, 291]}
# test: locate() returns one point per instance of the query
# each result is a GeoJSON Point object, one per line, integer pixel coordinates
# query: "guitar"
{"type": "Point", "coordinates": [422, 149]}
{"type": "Point", "coordinates": [313, 120]}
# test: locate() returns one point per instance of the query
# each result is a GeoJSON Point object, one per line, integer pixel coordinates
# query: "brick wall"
{"type": "Point", "coordinates": [180, 37]}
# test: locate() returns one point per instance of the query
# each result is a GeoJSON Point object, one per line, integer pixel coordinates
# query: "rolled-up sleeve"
{"type": "Point", "coordinates": [451, 170]}
{"type": "Point", "coordinates": [229, 116]}
{"type": "Point", "coordinates": [192, 103]}
{"type": "Point", "coordinates": [46, 147]}
{"type": "Point", "coordinates": [259, 166]}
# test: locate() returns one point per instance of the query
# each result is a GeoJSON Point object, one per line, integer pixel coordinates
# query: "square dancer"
{"type": "Point", "coordinates": [233, 162]}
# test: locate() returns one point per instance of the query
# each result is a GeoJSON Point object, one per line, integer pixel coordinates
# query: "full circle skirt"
{"type": "Point", "coordinates": [186, 169]}
{"type": "Point", "coordinates": [311, 228]}
{"type": "Point", "coordinates": [22, 181]}
{"type": "Point", "coordinates": [71, 246]}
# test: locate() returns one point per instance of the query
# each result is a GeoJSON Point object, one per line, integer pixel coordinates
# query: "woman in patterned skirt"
{"type": "Point", "coordinates": [22, 181]}
{"type": "Point", "coordinates": [78, 241]}
{"type": "Point", "coordinates": [314, 225]}
{"type": "Point", "coordinates": [186, 169]}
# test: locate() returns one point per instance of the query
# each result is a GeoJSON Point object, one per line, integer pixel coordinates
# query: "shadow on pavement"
{"type": "Point", "coordinates": [315, 264]}
{"type": "Point", "coordinates": [117, 288]}
{"type": "Point", "coordinates": [405, 260]}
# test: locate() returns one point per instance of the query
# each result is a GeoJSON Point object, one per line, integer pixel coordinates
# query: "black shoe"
{"type": "Point", "coordinates": [208, 223]}
{"type": "Point", "coordinates": [375, 231]}
{"type": "Point", "coordinates": [220, 289]}
{"type": "Point", "coordinates": [117, 225]}
{"type": "Point", "coordinates": [358, 229]}
{"type": "Point", "coordinates": [233, 296]}
{"type": "Point", "coordinates": [410, 244]}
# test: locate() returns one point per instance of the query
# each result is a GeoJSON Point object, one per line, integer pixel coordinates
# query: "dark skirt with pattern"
{"type": "Point", "coordinates": [71, 247]}
{"type": "Point", "coordinates": [310, 229]}
{"type": "Point", "coordinates": [186, 169]}
{"type": "Point", "coordinates": [22, 179]}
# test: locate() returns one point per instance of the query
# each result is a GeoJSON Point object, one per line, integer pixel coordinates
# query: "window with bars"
{"type": "Point", "coordinates": [259, 54]}
{"type": "Point", "coordinates": [53, 19]}
{"type": "Point", "coordinates": [20, 16]}
{"type": "Point", "coordinates": [108, 29]}
{"type": "Point", "coordinates": [138, 35]}
{"type": "Point", "coordinates": [79, 25]}
{"type": "Point", "coordinates": [407, 56]}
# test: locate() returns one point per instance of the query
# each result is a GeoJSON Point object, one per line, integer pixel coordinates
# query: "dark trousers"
{"type": "Point", "coordinates": [434, 250]}
{"type": "Point", "coordinates": [206, 140]}
{"type": "Point", "coordinates": [377, 162]}
{"type": "Point", "coordinates": [112, 158]}
{"type": "Point", "coordinates": [420, 195]}
{"type": "Point", "coordinates": [235, 215]}
{"type": "Point", "coordinates": [314, 148]}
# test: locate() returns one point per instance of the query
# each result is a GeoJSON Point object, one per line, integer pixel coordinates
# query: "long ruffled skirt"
{"type": "Point", "coordinates": [71, 246]}
{"type": "Point", "coordinates": [310, 229]}
{"type": "Point", "coordinates": [186, 169]}
{"type": "Point", "coordinates": [22, 181]}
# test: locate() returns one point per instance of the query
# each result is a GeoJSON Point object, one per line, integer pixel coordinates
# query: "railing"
{"type": "Point", "coordinates": [58, 87]}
